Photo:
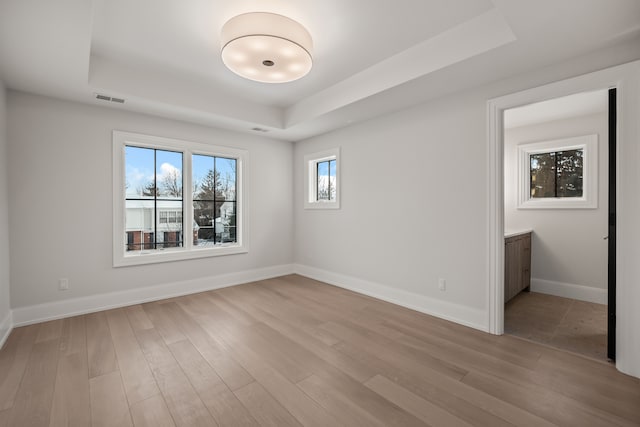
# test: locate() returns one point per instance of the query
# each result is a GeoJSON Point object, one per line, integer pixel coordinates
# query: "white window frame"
{"type": "Point", "coordinates": [589, 200]}
{"type": "Point", "coordinates": [311, 179]}
{"type": "Point", "coordinates": [121, 257]}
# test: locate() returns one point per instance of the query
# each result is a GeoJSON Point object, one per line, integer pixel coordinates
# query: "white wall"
{"type": "Point", "coordinates": [5, 313]}
{"type": "Point", "coordinates": [412, 207]}
{"type": "Point", "coordinates": [567, 244]}
{"type": "Point", "coordinates": [61, 204]}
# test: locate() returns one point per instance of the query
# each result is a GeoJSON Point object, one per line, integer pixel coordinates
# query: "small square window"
{"type": "Point", "coordinates": [559, 174]}
{"type": "Point", "coordinates": [322, 180]}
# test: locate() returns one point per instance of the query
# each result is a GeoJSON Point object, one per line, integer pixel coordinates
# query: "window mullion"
{"type": "Point", "coordinates": [155, 199]}
{"type": "Point", "coordinates": [187, 200]}
{"type": "Point", "coordinates": [317, 180]}
{"type": "Point", "coordinates": [329, 179]}
{"type": "Point", "coordinates": [555, 175]}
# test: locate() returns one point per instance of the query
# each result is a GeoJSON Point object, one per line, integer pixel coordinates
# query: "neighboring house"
{"type": "Point", "coordinates": [166, 231]}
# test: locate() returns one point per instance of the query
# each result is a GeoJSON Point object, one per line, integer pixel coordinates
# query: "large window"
{"type": "Point", "coordinates": [559, 174]}
{"type": "Point", "coordinates": [322, 180]}
{"type": "Point", "coordinates": [175, 200]}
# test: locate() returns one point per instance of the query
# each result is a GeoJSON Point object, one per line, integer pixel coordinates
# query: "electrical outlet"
{"type": "Point", "coordinates": [442, 284]}
{"type": "Point", "coordinates": [63, 284]}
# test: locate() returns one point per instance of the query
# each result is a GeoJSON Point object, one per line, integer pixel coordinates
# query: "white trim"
{"type": "Point", "coordinates": [569, 290]}
{"type": "Point", "coordinates": [311, 179]}
{"type": "Point", "coordinates": [626, 78]}
{"type": "Point", "coordinates": [89, 304]}
{"type": "Point", "coordinates": [495, 229]}
{"type": "Point", "coordinates": [187, 148]}
{"type": "Point", "coordinates": [474, 318]}
{"type": "Point", "coordinates": [6, 326]}
{"type": "Point", "coordinates": [589, 146]}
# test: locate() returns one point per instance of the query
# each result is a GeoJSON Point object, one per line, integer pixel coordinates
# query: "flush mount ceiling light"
{"type": "Point", "coordinates": [266, 47]}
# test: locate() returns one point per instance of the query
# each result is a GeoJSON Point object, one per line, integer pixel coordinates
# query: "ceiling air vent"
{"type": "Point", "coordinates": [109, 98]}
{"type": "Point", "coordinates": [260, 129]}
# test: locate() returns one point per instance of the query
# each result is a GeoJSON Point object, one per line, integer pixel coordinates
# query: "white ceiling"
{"type": "Point", "coordinates": [579, 104]}
{"type": "Point", "coordinates": [163, 56]}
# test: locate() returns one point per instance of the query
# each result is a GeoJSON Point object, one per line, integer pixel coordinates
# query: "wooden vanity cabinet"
{"type": "Point", "coordinates": [517, 264]}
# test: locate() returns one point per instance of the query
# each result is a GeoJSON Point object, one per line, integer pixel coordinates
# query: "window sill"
{"type": "Point", "coordinates": [170, 255]}
{"type": "Point", "coordinates": [559, 203]}
{"type": "Point", "coordinates": [322, 205]}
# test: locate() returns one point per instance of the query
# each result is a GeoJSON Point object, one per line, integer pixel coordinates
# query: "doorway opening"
{"type": "Point", "coordinates": [556, 222]}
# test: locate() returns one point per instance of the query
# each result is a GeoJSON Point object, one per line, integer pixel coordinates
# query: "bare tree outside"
{"type": "Point", "coordinates": [172, 183]}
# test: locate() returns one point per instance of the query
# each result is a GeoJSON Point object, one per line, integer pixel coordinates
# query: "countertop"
{"type": "Point", "coordinates": [511, 233]}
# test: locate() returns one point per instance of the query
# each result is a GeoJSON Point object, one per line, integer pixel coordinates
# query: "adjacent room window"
{"type": "Point", "coordinates": [559, 174]}
{"type": "Point", "coordinates": [556, 174]}
{"type": "Point", "coordinates": [175, 200]}
{"type": "Point", "coordinates": [322, 180]}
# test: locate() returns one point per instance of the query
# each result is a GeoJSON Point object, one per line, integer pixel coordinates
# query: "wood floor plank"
{"type": "Point", "coordinates": [553, 407]}
{"type": "Point", "coordinates": [13, 362]}
{"type": "Point", "coordinates": [152, 412]}
{"type": "Point", "coordinates": [316, 346]}
{"type": "Point", "coordinates": [100, 350]}
{"type": "Point", "coordinates": [600, 376]}
{"type": "Point", "coordinates": [234, 375]}
{"type": "Point", "coordinates": [303, 408]}
{"type": "Point", "coordinates": [223, 405]}
{"type": "Point", "coordinates": [71, 404]}
{"type": "Point", "coordinates": [169, 331]}
{"type": "Point", "coordinates": [109, 407]}
{"type": "Point", "coordinates": [185, 406]}
{"type": "Point", "coordinates": [415, 405]}
{"type": "Point", "coordinates": [280, 359]}
{"type": "Point", "coordinates": [471, 359]}
{"type": "Point", "coordinates": [32, 405]}
{"type": "Point", "coordinates": [229, 310]}
{"type": "Point", "coordinates": [324, 294]}
{"type": "Point", "coordinates": [380, 408]}
{"type": "Point", "coordinates": [138, 317]}
{"type": "Point", "coordinates": [424, 329]}
{"type": "Point", "coordinates": [287, 310]}
{"type": "Point", "coordinates": [393, 351]}
{"type": "Point", "coordinates": [343, 409]}
{"type": "Point", "coordinates": [4, 418]}
{"type": "Point", "coordinates": [477, 408]}
{"type": "Point", "coordinates": [73, 337]}
{"type": "Point", "coordinates": [139, 383]}
{"type": "Point", "coordinates": [51, 330]}
{"type": "Point", "coordinates": [264, 408]}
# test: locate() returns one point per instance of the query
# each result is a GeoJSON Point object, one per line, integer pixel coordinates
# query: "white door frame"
{"type": "Point", "coordinates": [626, 78]}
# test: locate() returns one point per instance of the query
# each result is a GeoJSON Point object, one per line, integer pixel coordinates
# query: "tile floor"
{"type": "Point", "coordinates": [576, 326]}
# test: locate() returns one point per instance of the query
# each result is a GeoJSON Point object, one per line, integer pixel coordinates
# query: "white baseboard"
{"type": "Point", "coordinates": [89, 304]}
{"type": "Point", "coordinates": [6, 326]}
{"type": "Point", "coordinates": [569, 290]}
{"type": "Point", "coordinates": [457, 313]}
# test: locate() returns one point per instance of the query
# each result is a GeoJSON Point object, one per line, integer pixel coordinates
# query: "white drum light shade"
{"type": "Point", "coordinates": [266, 47]}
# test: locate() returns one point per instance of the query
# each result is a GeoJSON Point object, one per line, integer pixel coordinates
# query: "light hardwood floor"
{"type": "Point", "coordinates": [293, 351]}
